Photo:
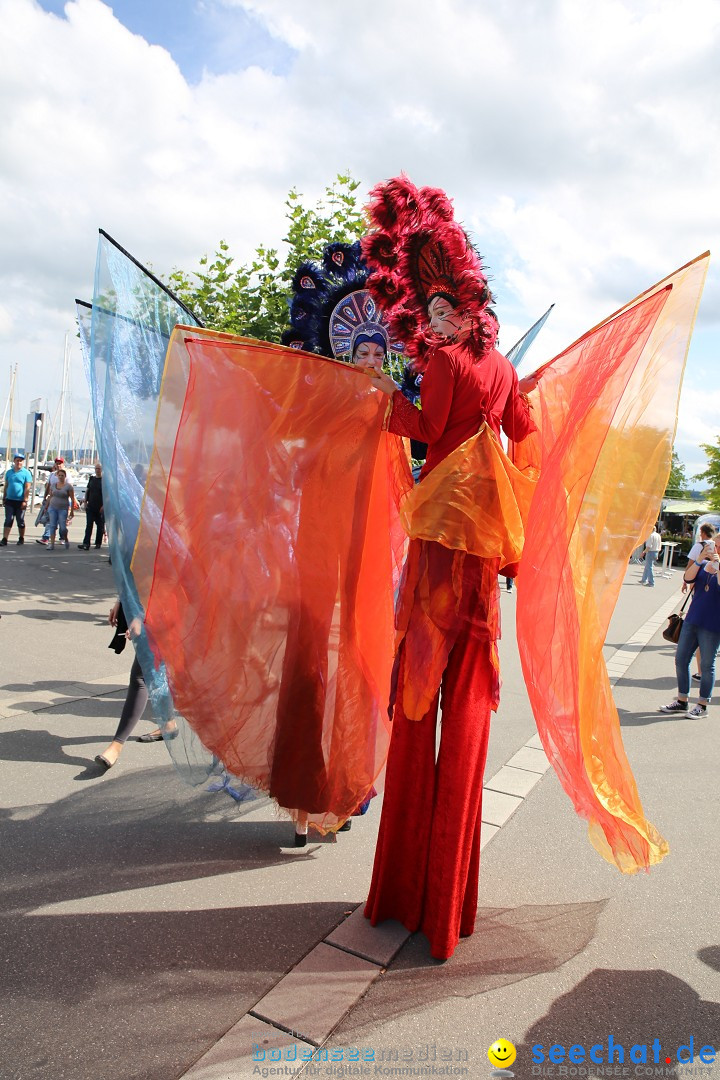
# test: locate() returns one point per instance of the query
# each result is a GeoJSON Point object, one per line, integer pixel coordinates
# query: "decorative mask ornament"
{"type": "Point", "coordinates": [356, 315]}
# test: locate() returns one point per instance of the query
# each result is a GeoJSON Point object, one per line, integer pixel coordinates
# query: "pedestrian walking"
{"type": "Point", "coordinates": [60, 506]}
{"type": "Point", "coordinates": [52, 479]}
{"type": "Point", "coordinates": [136, 699]}
{"type": "Point", "coordinates": [94, 514]}
{"type": "Point", "coordinates": [705, 540]}
{"type": "Point", "coordinates": [653, 544]}
{"type": "Point", "coordinates": [701, 629]}
{"type": "Point", "coordinates": [15, 497]}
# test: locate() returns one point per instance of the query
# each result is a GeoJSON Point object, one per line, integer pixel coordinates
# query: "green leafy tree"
{"type": "Point", "coordinates": [711, 475]}
{"type": "Point", "coordinates": [252, 299]}
{"type": "Point", "coordinates": [677, 485]}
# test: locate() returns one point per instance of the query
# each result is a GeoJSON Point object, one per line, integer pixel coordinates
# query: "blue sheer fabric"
{"type": "Point", "coordinates": [124, 338]}
{"type": "Point", "coordinates": [520, 347]}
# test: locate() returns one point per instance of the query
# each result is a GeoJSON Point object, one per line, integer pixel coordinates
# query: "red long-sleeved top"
{"type": "Point", "coordinates": [457, 394]}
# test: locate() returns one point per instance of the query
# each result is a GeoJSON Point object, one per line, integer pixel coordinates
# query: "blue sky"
{"type": "Point", "coordinates": [202, 35]}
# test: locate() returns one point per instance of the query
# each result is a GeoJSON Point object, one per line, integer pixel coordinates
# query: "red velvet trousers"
{"type": "Point", "coordinates": [427, 860]}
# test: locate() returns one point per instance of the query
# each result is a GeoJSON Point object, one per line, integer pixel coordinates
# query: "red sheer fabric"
{"type": "Point", "coordinates": [445, 596]}
{"type": "Point", "coordinates": [274, 562]}
{"type": "Point", "coordinates": [606, 409]}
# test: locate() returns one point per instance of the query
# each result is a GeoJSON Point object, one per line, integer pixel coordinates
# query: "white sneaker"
{"type": "Point", "coordinates": [675, 706]}
{"type": "Point", "coordinates": [698, 710]}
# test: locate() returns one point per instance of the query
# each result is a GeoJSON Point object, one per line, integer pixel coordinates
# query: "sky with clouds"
{"type": "Point", "coordinates": [580, 141]}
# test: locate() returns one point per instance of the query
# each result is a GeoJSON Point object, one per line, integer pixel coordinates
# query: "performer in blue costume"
{"type": "Point", "coordinates": [333, 314]}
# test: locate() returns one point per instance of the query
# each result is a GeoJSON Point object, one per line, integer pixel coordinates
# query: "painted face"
{"type": "Point", "coordinates": [444, 319]}
{"type": "Point", "coordinates": [369, 354]}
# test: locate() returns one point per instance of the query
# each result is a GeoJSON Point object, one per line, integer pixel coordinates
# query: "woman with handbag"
{"type": "Point", "coordinates": [61, 508]}
{"type": "Point", "coordinates": [700, 629]}
{"type": "Point", "coordinates": [706, 539]}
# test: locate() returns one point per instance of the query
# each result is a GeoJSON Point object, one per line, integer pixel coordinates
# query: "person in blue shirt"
{"type": "Point", "coordinates": [15, 497]}
{"type": "Point", "coordinates": [701, 629]}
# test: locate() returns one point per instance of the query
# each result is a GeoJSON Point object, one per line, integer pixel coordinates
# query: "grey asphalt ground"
{"type": "Point", "coordinates": [142, 919]}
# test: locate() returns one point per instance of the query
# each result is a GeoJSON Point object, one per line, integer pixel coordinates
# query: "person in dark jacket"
{"type": "Point", "coordinates": [94, 510]}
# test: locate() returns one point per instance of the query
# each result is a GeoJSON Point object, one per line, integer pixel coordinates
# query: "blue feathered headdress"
{"type": "Point", "coordinates": [319, 321]}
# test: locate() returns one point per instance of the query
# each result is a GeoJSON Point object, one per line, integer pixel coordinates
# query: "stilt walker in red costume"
{"type": "Point", "coordinates": [428, 853]}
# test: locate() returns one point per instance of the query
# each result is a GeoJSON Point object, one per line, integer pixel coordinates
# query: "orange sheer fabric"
{"type": "Point", "coordinates": [472, 509]}
{"type": "Point", "coordinates": [606, 409]}
{"type": "Point", "coordinates": [475, 501]}
{"type": "Point", "coordinates": [269, 576]}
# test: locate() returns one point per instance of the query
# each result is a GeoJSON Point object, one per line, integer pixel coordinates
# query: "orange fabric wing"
{"type": "Point", "coordinates": [269, 552]}
{"type": "Point", "coordinates": [606, 411]}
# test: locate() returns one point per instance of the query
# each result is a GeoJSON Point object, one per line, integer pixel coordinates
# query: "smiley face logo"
{"type": "Point", "coordinates": [502, 1053]}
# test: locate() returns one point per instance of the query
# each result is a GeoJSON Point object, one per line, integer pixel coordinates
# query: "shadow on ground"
{"type": "Point", "coordinates": [642, 719]}
{"type": "Point", "coordinates": [509, 944]}
{"type": "Point", "coordinates": [711, 956]}
{"type": "Point", "coordinates": [65, 579]}
{"type": "Point", "coordinates": [64, 686]}
{"type": "Point", "coordinates": [141, 995]}
{"type": "Point", "coordinates": [634, 1007]}
{"type": "Point", "coordinates": [64, 614]}
{"type": "Point", "coordinates": [26, 744]}
{"type": "Point", "coordinates": [129, 831]}
{"type": "Point", "coordinates": [100, 982]}
{"type": "Point", "coordinates": [662, 682]}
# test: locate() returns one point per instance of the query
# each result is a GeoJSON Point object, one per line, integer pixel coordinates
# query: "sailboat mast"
{"type": "Point", "coordinates": [58, 452]}
{"type": "Point", "coordinates": [82, 448]}
{"type": "Point", "coordinates": [10, 406]}
{"type": "Point", "coordinates": [2, 425]}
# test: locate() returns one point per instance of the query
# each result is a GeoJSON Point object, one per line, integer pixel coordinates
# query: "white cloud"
{"type": "Point", "coordinates": [580, 141]}
{"type": "Point", "coordinates": [6, 322]}
{"type": "Point", "coordinates": [699, 422]}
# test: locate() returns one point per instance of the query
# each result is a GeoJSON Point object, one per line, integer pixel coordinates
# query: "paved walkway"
{"type": "Point", "coordinates": [155, 931]}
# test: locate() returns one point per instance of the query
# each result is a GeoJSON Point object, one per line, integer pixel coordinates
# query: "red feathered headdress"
{"type": "Point", "coordinates": [417, 250]}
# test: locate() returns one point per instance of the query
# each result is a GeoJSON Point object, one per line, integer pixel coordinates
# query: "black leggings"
{"type": "Point", "coordinates": [135, 702]}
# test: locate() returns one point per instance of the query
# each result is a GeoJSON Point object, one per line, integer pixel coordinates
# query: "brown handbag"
{"type": "Point", "coordinates": [675, 622]}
